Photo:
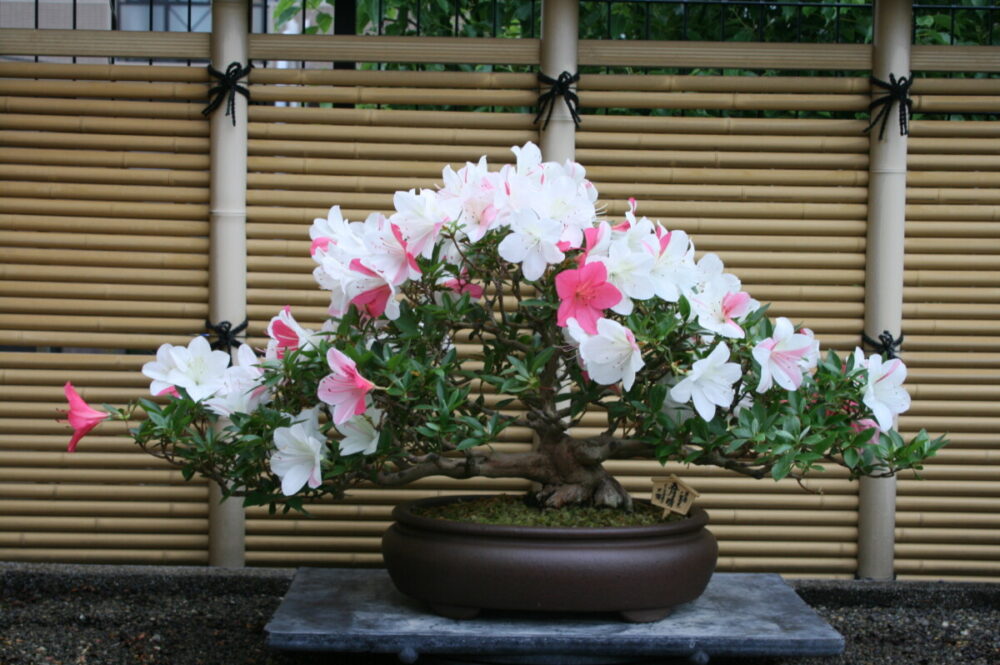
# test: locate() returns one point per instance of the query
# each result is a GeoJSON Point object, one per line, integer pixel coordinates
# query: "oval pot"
{"type": "Point", "coordinates": [459, 568]}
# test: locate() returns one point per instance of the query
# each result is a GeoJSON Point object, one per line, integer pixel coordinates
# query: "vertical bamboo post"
{"type": "Point", "coordinates": [560, 33]}
{"type": "Point", "coordinates": [884, 269]}
{"type": "Point", "coordinates": [227, 245]}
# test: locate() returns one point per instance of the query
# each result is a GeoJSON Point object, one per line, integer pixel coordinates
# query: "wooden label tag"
{"type": "Point", "coordinates": [673, 495]}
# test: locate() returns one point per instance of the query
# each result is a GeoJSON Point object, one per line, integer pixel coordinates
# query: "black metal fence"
{"type": "Point", "coordinates": [841, 21]}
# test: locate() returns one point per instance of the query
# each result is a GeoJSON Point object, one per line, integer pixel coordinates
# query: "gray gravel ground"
{"type": "Point", "coordinates": [109, 615]}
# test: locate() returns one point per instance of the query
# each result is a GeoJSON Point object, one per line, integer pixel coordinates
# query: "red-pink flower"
{"type": "Point", "coordinates": [343, 389]}
{"type": "Point", "coordinates": [585, 294]}
{"type": "Point", "coordinates": [461, 285]}
{"type": "Point", "coordinates": [82, 418]}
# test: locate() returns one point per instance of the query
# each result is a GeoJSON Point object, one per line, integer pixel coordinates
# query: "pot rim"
{"type": "Point", "coordinates": [403, 515]}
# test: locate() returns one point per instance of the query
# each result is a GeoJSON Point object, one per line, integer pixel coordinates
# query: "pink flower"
{"type": "Point", "coordinates": [866, 424]}
{"type": "Point", "coordinates": [344, 389]}
{"type": "Point", "coordinates": [287, 335]}
{"type": "Point", "coordinates": [81, 417]}
{"type": "Point", "coordinates": [585, 294]}
{"type": "Point", "coordinates": [461, 285]}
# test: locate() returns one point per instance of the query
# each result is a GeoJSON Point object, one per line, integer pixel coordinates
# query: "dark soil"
{"type": "Point", "coordinates": [145, 615]}
{"type": "Point", "coordinates": [513, 510]}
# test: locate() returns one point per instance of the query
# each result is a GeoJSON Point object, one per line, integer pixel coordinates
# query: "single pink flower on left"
{"type": "Point", "coordinates": [82, 418]}
{"type": "Point", "coordinates": [343, 389]}
{"type": "Point", "coordinates": [585, 294]}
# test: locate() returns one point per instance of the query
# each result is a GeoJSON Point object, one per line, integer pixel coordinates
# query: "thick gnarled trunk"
{"type": "Point", "coordinates": [577, 478]}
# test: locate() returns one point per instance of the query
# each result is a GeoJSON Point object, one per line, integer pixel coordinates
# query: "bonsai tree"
{"type": "Point", "coordinates": [564, 313]}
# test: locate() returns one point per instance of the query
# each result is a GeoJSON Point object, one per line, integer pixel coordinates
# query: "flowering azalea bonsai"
{"type": "Point", "coordinates": [567, 313]}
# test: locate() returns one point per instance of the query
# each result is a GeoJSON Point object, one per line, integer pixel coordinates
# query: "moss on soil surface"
{"type": "Point", "coordinates": [512, 510]}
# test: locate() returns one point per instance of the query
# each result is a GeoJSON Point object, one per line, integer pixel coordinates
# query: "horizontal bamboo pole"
{"type": "Point", "coordinates": [142, 341]}
{"type": "Point", "coordinates": [54, 378]}
{"type": "Point", "coordinates": [109, 324]}
{"type": "Point", "coordinates": [89, 124]}
{"type": "Point", "coordinates": [604, 176]}
{"type": "Point", "coordinates": [973, 128]}
{"type": "Point", "coordinates": [942, 522]}
{"type": "Point", "coordinates": [929, 294]}
{"type": "Point", "coordinates": [74, 141]}
{"type": "Point", "coordinates": [102, 361]}
{"type": "Point", "coordinates": [90, 191]}
{"type": "Point", "coordinates": [933, 58]}
{"type": "Point", "coordinates": [285, 559]}
{"type": "Point", "coordinates": [318, 200]}
{"type": "Point", "coordinates": [949, 536]}
{"type": "Point", "coordinates": [289, 527]}
{"type": "Point", "coordinates": [282, 297]}
{"type": "Point", "coordinates": [123, 308]}
{"type": "Point", "coordinates": [104, 107]}
{"type": "Point", "coordinates": [55, 257]}
{"type": "Point", "coordinates": [151, 541]}
{"type": "Point", "coordinates": [955, 104]}
{"type": "Point", "coordinates": [958, 365]}
{"type": "Point", "coordinates": [952, 145]}
{"type": "Point", "coordinates": [921, 342]}
{"type": "Point", "coordinates": [960, 311]}
{"type": "Point", "coordinates": [958, 278]}
{"type": "Point", "coordinates": [332, 184]}
{"type": "Point", "coordinates": [785, 565]}
{"type": "Point", "coordinates": [981, 212]}
{"type": "Point", "coordinates": [157, 276]}
{"type": "Point", "coordinates": [346, 167]}
{"type": "Point", "coordinates": [498, 120]}
{"type": "Point", "coordinates": [715, 55]}
{"type": "Point", "coordinates": [920, 326]}
{"type": "Point", "coordinates": [953, 262]}
{"type": "Point", "coordinates": [352, 150]}
{"type": "Point", "coordinates": [315, 543]}
{"type": "Point", "coordinates": [761, 142]}
{"type": "Point", "coordinates": [56, 493]}
{"type": "Point", "coordinates": [106, 158]}
{"type": "Point", "coordinates": [108, 556]}
{"type": "Point", "coordinates": [157, 177]}
{"type": "Point", "coordinates": [937, 567]}
{"type": "Point", "coordinates": [948, 578]}
{"type": "Point", "coordinates": [101, 225]}
{"type": "Point", "coordinates": [951, 179]}
{"type": "Point", "coordinates": [951, 229]}
{"type": "Point", "coordinates": [798, 548]}
{"type": "Point", "coordinates": [939, 162]}
{"type": "Point", "coordinates": [394, 135]}
{"type": "Point", "coordinates": [954, 392]}
{"type": "Point", "coordinates": [829, 85]}
{"type": "Point", "coordinates": [613, 193]}
{"type": "Point", "coordinates": [322, 511]}
{"type": "Point", "coordinates": [720, 159]}
{"type": "Point", "coordinates": [414, 96]}
{"type": "Point", "coordinates": [98, 476]}
{"type": "Point", "coordinates": [734, 101]}
{"type": "Point", "coordinates": [81, 72]}
{"type": "Point", "coordinates": [651, 124]}
{"type": "Point", "coordinates": [109, 525]}
{"type": "Point", "coordinates": [949, 488]}
{"type": "Point", "coordinates": [104, 43]}
{"type": "Point", "coordinates": [755, 532]}
{"type": "Point", "coordinates": [103, 241]}
{"type": "Point", "coordinates": [121, 209]}
{"type": "Point", "coordinates": [115, 90]}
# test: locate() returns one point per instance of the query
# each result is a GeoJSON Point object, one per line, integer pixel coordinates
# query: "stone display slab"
{"type": "Point", "coordinates": [360, 611]}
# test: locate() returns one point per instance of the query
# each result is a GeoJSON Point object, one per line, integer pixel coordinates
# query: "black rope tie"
{"type": "Point", "coordinates": [886, 344]}
{"type": "Point", "coordinates": [229, 85]}
{"type": "Point", "coordinates": [559, 87]}
{"type": "Point", "coordinates": [898, 92]}
{"type": "Point", "coordinates": [225, 334]}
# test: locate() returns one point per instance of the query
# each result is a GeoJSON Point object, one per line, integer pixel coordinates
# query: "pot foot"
{"type": "Point", "coordinates": [454, 611]}
{"type": "Point", "coordinates": [646, 616]}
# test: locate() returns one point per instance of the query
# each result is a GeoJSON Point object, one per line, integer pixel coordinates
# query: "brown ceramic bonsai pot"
{"type": "Point", "coordinates": [460, 568]}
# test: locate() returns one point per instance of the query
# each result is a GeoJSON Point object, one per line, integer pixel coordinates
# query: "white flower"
{"type": "Point", "coordinates": [360, 433]}
{"type": "Point", "coordinates": [241, 391]}
{"type": "Point", "coordinates": [532, 243]}
{"type": "Point", "coordinates": [196, 368]}
{"type": "Point", "coordinates": [299, 453]}
{"type": "Point", "coordinates": [718, 310]}
{"type": "Point", "coordinates": [710, 383]}
{"type": "Point", "coordinates": [884, 393]}
{"type": "Point", "coordinates": [421, 216]}
{"type": "Point", "coordinates": [611, 355]}
{"type": "Point", "coordinates": [628, 271]}
{"type": "Point", "coordinates": [673, 272]}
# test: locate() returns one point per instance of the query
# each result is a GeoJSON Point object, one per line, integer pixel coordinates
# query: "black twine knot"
{"type": "Point", "coordinates": [898, 92]}
{"type": "Point", "coordinates": [229, 85]}
{"type": "Point", "coordinates": [225, 334]}
{"type": "Point", "coordinates": [886, 344]}
{"type": "Point", "coordinates": [559, 87]}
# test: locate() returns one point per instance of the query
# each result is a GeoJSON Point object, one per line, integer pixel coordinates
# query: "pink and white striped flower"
{"type": "Point", "coordinates": [718, 310]}
{"type": "Point", "coordinates": [784, 356]}
{"type": "Point", "coordinates": [344, 388]}
{"type": "Point", "coordinates": [884, 393]}
{"type": "Point", "coordinates": [287, 335]}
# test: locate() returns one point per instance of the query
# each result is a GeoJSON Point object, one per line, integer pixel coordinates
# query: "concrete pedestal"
{"type": "Point", "coordinates": [360, 611]}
